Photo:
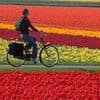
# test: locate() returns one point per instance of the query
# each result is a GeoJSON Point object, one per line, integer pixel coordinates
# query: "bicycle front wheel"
{"type": "Point", "coordinates": [49, 56]}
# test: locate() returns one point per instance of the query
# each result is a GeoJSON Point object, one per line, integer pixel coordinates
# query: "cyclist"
{"type": "Point", "coordinates": [24, 33]}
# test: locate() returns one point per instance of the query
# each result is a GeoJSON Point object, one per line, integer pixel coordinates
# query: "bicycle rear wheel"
{"type": "Point", "coordinates": [15, 61]}
{"type": "Point", "coordinates": [49, 56]}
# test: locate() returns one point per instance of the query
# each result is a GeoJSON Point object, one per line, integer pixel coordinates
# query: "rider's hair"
{"type": "Point", "coordinates": [25, 11]}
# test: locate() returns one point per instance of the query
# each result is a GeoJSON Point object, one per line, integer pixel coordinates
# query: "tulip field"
{"type": "Point", "coordinates": [71, 85]}
{"type": "Point", "coordinates": [76, 33]}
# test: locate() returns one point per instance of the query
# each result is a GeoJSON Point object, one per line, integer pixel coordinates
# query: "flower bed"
{"type": "Point", "coordinates": [71, 28]}
{"type": "Point", "coordinates": [59, 31]}
{"type": "Point", "coordinates": [69, 55]}
{"type": "Point", "coordinates": [57, 39]}
{"type": "Point", "coordinates": [68, 17]}
{"type": "Point", "coordinates": [70, 85]}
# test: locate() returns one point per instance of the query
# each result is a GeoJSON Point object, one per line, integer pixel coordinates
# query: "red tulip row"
{"type": "Point", "coordinates": [72, 85]}
{"type": "Point", "coordinates": [58, 39]}
{"type": "Point", "coordinates": [69, 17]}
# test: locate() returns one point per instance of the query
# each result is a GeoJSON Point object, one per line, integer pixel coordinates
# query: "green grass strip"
{"type": "Point", "coordinates": [53, 3]}
{"type": "Point", "coordinates": [36, 69]}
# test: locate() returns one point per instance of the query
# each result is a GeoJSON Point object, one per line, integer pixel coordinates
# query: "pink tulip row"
{"type": "Point", "coordinates": [57, 39]}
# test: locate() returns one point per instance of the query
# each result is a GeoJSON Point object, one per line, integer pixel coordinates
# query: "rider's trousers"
{"type": "Point", "coordinates": [32, 43]}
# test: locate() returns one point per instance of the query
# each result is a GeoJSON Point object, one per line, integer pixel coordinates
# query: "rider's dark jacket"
{"type": "Point", "coordinates": [25, 25]}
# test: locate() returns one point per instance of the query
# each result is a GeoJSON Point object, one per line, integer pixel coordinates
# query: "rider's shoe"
{"type": "Point", "coordinates": [34, 61]}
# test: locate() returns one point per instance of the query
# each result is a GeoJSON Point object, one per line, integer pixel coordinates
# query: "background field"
{"type": "Point", "coordinates": [77, 36]}
{"type": "Point", "coordinates": [78, 44]}
{"type": "Point", "coordinates": [89, 3]}
{"type": "Point", "coordinates": [76, 47]}
{"type": "Point", "coordinates": [80, 32]}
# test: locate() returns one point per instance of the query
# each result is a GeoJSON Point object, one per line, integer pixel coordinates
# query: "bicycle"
{"type": "Point", "coordinates": [18, 53]}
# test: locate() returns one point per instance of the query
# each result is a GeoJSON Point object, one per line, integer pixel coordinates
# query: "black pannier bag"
{"type": "Point", "coordinates": [16, 49]}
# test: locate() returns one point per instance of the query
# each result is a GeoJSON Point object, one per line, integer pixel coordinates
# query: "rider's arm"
{"type": "Point", "coordinates": [31, 26]}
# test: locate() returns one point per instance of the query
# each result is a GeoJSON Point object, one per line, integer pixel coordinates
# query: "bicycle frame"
{"type": "Point", "coordinates": [42, 41]}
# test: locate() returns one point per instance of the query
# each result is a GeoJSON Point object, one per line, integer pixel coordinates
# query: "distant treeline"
{"type": "Point", "coordinates": [51, 3]}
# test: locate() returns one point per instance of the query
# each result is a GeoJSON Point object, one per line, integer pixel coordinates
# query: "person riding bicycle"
{"type": "Point", "coordinates": [24, 34]}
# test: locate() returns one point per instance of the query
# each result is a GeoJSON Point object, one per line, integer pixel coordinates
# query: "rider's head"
{"type": "Point", "coordinates": [25, 12]}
